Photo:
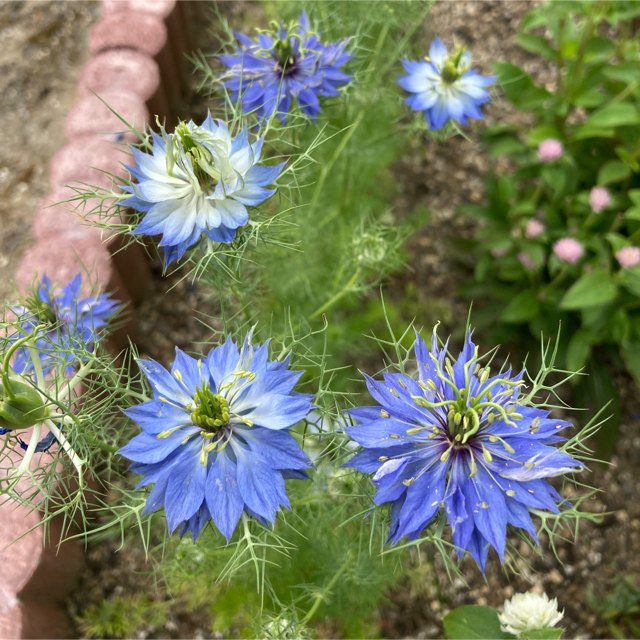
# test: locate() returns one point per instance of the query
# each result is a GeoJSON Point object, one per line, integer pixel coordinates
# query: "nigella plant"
{"type": "Point", "coordinates": [198, 182]}
{"type": "Point", "coordinates": [66, 323]}
{"type": "Point", "coordinates": [461, 441]}
{"type": "Point", "coordinates": [214, 438]}
{"type": "Point", "coordinates": [290, 62]}
{"type": "Point", "coordinates": [444, 87]}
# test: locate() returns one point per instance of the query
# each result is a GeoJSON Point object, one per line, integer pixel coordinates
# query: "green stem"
{"type": "Point", "coordinates": [78, 462]}
{"type": "Point", "coordinates": [103, 445]}
{"type": "Point", "coordinates": [29, 453]}
{"type": "Point", "coordinates": [37, 363]}
{"type": "Point", "coordinates": [577, 70]}
{"type": "Point", "coordinates": [80, 375]}
{"type": "Point", "coordinates": [334, 158]}
{"type": "Point", "coordinates": [5, 364]}
{"type": "Point", "coordinates": [347, 289]}
{"type": "Point", "coordinates": [323, 594]}
{"type": "Point", "coordinates": [553, 284]}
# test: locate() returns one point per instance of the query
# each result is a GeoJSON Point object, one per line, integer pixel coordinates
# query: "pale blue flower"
{"type": "Point", "coordinates": [198, 182]}
{"type": "Point", "coordinates": [215, 440]}
{"type": "Point", "coordinates": [444, 86]}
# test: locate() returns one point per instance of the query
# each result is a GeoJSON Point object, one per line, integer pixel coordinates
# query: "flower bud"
{"type": "Point", "coordinates": [599, 199]}
{"type": "Point", "coordinates": [550, 150]}
{"type": "Point", "coordinates": [568, 250]}
{"type": "Point", "coordinates": [21, 405]}
{"type": "Point", "coordinates": [628, 257]}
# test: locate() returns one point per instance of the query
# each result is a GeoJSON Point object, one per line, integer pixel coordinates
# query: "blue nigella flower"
{"type": "Point", "coordinates": [287, 63]}
{"type": "Point", "coordinates": [214, 438]}
{"type": "Point", "coordinates": [71, 323]}
{"type": "Point", "coordinates": [198, 181]}
{"type": "Point", "coordinates": [44, 445]}
{"type": "Point", "coordinates": [444, 86]}
{"type": "Point", "coordinates": [458, 440]}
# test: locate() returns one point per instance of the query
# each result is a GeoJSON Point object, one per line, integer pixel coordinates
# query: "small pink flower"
{"type": "Point", "coordinates": [599, 198]}
{"type": "Point", "coordinates": [498, 252]}
{"type": "Point", "coordinates": [628, 257]}
{"type": "Point", "coordinates": [534, 228]}
{"type": "Point", "coordinates": [526, 261]}
{"type": "Point", "coordinates": [550, 150]}
{"type": "Point", "coordinates": [568, 250]}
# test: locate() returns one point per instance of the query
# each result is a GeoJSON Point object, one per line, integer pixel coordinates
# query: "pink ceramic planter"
{"type": "Point", "coordinates": [96, 115]}
{"type": "Point", "coordinates": [145, 32]}
{"type": "Point", "coordinates": [90, 160]}
{"type": "Point", "coordinates": [126, 70]}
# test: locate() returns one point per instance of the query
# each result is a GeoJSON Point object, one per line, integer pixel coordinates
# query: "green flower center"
{"type": "Point", "coordinates": [211, 411]}
{"type": "Point", "coordinates": [42, 310]}
{"type": "Point", "coordinates": [283, 51]}
{"type": "Point", "coordinates": [453, 69]}
{"type": "Point", "coordinates": [201, 158]}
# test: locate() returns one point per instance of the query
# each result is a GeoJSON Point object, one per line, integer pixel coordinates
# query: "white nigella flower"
{"type": "Point", "coordinates": [198, 180]}
{"type": "Point", "coordinates": [529, 612]}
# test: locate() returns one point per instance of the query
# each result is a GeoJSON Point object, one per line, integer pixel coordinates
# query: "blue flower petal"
{"type": "Point", "coordinates": [223, 495]}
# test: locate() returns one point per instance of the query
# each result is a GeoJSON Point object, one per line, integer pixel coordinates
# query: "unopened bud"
{"type": "Point", "coordinates": [21, 405]}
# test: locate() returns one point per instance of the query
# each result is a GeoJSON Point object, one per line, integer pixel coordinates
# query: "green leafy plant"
{"type": "Point", "coordinates": [592, 118]}
{"type": "Point", "coordinates": [476, 622]}
{"type": "Point", "coordinates": [620, 609]}
{"type": "Point", "coordinates": [123, 617]}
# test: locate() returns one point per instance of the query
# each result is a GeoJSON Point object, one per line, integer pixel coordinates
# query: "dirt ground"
{"type": "Point", "coordinates": [43, 46]}
{"type": "Point", "coordinates": [35, 94]}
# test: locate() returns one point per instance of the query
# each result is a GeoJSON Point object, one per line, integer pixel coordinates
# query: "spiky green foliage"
{"type": "Point", "coordinates": [122, 617]}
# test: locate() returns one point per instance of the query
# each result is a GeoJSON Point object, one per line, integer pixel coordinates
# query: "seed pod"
{"type": "Point", "coordinates": [21, 405]}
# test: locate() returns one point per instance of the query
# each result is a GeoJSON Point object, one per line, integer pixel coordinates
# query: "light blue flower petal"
{"type": "Point", "coordinates": [223, 495]}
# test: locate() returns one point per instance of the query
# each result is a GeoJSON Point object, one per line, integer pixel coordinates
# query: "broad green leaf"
{"type": "Point", "coordinates": [550, 633]}
{"type": "Point", "coordinates": [537, 44]}
{"type": "Point", "coordinates": [524, 208]}
{"type": "Point", "coordinates": [541, 133]}
{"type": "Point", "coordinates": [615, 114]}
{"type": "Point", "coordinates": [591, 290]}
{"type": "Point", "coordinates": [627, 158]}
{"type": "Point", "coordinates": [579, 349]}
{"type": "Point", "coordinates": [613, 171]}
{"type": "Point", "coordinates": [590, 99]}
{"type": "Point", "coordinates": [619, 326]}
{"type": "Point", "coordinates": [472, 622]}
{"type": "Point", "coordinates": [626, 72]}
{"type": "Point", "coordinates": [599, 49]}
{"type": "Point", "coordinates": [512, 78]}
{"type": "Point", "coordinates": [585, 131]}
{"type": "Point", "coordinates": [617, 241]}
{"type": "Point", "coordinates": [631, 355]}
{"type": "Point", "coordinates": [569, 48]}
{"type": "Point", "coordinates": [632, 214]}
{"type": "Point", "coordinates": [519, 87]}
{"type": "Point", "coordinates": [634, 194]}
{"type": "Point", "coordinates": [532, 98]}
{"type": "Point", "coordinates": [631, 280]}
{"type": "Point", "coordinates": [522, 308]}
{"type": "Point", "coordinates": [505, 146]}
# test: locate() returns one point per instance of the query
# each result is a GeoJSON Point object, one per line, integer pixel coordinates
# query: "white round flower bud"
{"type": "Point", "coordinates": [528, 612]}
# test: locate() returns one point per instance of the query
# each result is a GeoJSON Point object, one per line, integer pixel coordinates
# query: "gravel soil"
{"type": "Point", "coordinates": [41, 77]}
